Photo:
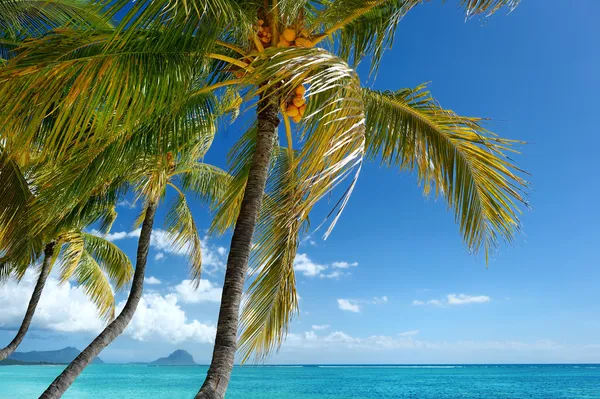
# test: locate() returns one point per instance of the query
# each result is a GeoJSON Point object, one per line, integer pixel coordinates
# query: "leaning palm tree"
{"type": "Point", "coordinates": [152, 173]}
{"type": "Point", "coordinates": [93, 262]}
{"type": "Point", "coordinates": [268, 54]}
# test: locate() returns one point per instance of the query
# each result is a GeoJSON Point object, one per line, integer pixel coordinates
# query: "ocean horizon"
{"type": "Point", "coordinates": [318, 381]}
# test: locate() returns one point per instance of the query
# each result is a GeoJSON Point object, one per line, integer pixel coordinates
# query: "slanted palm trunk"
{"type": "Point", "coordinates": [33, 302]}
{"type": "Point", "coordinates": [217, 380]}
{"type": "Point", "coordinates": [118, 325]}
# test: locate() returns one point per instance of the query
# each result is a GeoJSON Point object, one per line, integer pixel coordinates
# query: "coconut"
{"type": "Point", "coordinates": [297, 118]}
{"type": "Point", "coordinates": [302, 109]}
{"type": "Point", "coordinates": [292, 111]}
{"type": "Point", "coordinates": [299, 101]}
{"type": "Point", "coordinates": [300, 90]}
{"type": "Point", "coordinates": [302, 42]}
{"type": "Point", "coordinates": [283, 43]}
{"type": "Point", "coordinates": [264, 39]}
{"type": "Point", "coordinates": [289, 34]}
{"type": "Point", "coordinates": [260, 22]}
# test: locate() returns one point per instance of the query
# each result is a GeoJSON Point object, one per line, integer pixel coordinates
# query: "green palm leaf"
{"type": "Point", "coordinates": [271, 300]}
{"type": "Point", "coordinates": [110, 259]}
{"type": "Point", "coordinates": [184, 234]}
{"type": "Point", "coordinates": [463, 160]}
{"type": "Point", "coordinates": [89, 275]}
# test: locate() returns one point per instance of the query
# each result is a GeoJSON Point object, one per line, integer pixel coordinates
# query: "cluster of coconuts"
{"type": "Point", "coordinates": [296, 104]}
{"type": "Point", "coordinates": [290, 38]}
{"type": "Point", "coordinates": [264, 32]}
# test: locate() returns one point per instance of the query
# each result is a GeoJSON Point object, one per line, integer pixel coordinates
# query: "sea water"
{"type": "Point", "coordinates": [317, 382]}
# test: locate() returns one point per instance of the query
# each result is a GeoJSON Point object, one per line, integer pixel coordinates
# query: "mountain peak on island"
{"type": "Point", "coordinates": [178, 358]}
{"type": "Point", "coordinates": [60, 356]}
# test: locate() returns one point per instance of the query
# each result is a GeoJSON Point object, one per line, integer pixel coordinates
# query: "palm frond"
{"type": "Point", "coordinates": [464, 161]}
{"type": "Point", "coordinates": [108, 219]}
{"type": "Point", "coordinates": [207, 182]}
{"type": "Point", "coordinates": [239, 158]}
{"type": "Point", "coordinates": [66, 95]}
{"type": "Point", "coordinates": [332, 130]}
{"type": "Point", "coordinates": [89, 275]}
{"type": "Point", "coordinates": [20, 19]}
{"type": "Point", "coordinates": [70, 254]}
{"type": "Point", "coordinates": [184, 235]}
{"type": "Point", "coordinates": [363, 28]}
{"type": "Point", "coordinates": [271, 300]}
{"type": "Point", "coordinates": [110, 259]}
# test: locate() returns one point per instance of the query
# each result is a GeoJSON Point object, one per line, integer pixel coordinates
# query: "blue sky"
{"type": "Point", "coordinates": [408, 291]}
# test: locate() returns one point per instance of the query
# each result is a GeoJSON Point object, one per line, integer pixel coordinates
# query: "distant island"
{"type": "Point", "coordinates": [60, 356]}
{"type": "Point", "coordinates": [64, 356]}
{"type": "Point", "coordinates": [178, 358]}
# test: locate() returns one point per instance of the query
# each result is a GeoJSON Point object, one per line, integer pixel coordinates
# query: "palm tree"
{"type": "Point", "coordinates": [152, 173]}
{"type": "Point", "coordinates": [95, 263]}
{"type": "Point", "coordinates": [92, 261]}
{"type": "Point", "coordinates": [267, 53]}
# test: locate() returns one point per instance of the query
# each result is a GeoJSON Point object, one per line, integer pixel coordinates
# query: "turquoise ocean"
{"type": "Point", "coordinates": [317, 382]}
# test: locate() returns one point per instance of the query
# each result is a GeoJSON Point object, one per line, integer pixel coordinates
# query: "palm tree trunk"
{"type": "Point", "coordinates": [217, 379]}
{"type": "Point", "coordinates": [33, 302]}
{"type": "Point", "coordinates": [118, 325]}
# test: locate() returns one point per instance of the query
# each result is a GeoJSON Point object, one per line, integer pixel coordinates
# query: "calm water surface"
{"type": "Point", "coordinates": [311, 382]}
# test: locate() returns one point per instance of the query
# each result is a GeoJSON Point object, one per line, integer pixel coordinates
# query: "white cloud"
{"type": "Point", "coordinates": [341, 337]}
{"type": "Point", "coordinates": [222, 251]}
{"type": "Point", "coordinates": [462, 299]}
{"type": "Point", "coordinates": [206, 292]}
{"type": "Point", "coordinates": [409, 333]}
{"type": "Point", "coordinates": [379, 300]}
{"type": "Point", "coordinates": [333, 275]}
{"type": "Point", "coordinates": [308, 268]}
{"type": "Point", "coordinates": [320, 327]}
{"type": "Point", "coordinates": [340, 340]}
{"type": "Point", "coordinates": [303, 264]}
{"type": "Point", "coordinates": [453, 299]}
{"type": "Point", "coordinates": [160, 317]}
{"type": "Point", "coordinates": [66, 308]}
{"type": "Point", "coordinates": [62, 307]}
{"type": "Point", "coordinates": [308, 240]}
{"type": "Point", "coordinates": [343, 265]}
{"type": "Point", "coordinates": [152, 280]}
{"type": "Point", "coordinates": [349, 305]}
{"type": "Point", "coordinates": [127, 204]}
{"type": "Point", "coordinates": [159, 256]}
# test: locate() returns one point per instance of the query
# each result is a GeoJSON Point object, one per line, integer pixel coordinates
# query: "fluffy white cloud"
{"type": "Point", "coordinates": [206, 292]}
{"type": "Point", "coordinates": [349, 305]}
{"type": "Point", "coordinates": [341, 337]}
{"type": "Point", "coordinates": [309, 268]}
{"type": "Point", "coordinates": [320, 327]}
{"type": "Point", "coordinates": [343, 265]}
{"type": "Point", "coordinates": [310, 336]}
{"type": "Point", "coordinates": [160, 317]}
{"type": "Point", "coordinates": [454, 299]}
{"type": "Point", "coordinates": [62, 307]}
{"type": "Point", "coordinates": [152, 280]}
{"type": "Point", "coordinates": [462, 299]}
{"type": "Point", "coordinates": [159, 256]}
{"type": "Point", "coordinates": [66, 308]}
